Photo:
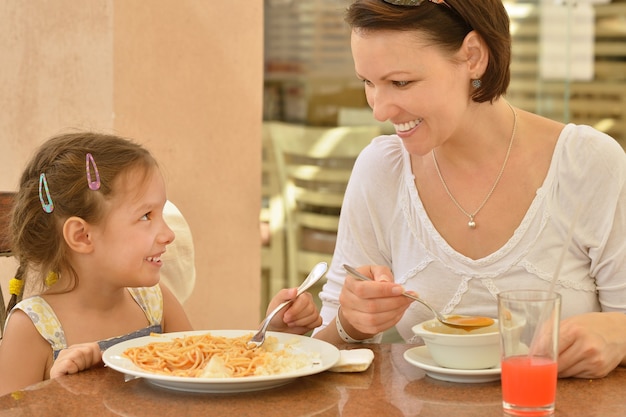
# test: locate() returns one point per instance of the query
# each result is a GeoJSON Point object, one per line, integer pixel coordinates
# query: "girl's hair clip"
{"type": "Point", "coordinates": [93, 185]}
{"type": "Point", "coordinates": [46, 203]}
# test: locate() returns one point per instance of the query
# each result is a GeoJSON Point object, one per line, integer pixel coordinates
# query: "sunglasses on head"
{"type": "Point", "coordinates": [414, 2]}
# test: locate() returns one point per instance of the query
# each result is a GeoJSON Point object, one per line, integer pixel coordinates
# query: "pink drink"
{"type": "Point", "coordinates": [528, 383]}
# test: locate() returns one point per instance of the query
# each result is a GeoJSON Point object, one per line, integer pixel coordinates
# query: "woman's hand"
{"type": "Point", "coordinates": [591, 345]}
{"type": "Point", "coordinates": [76, 358]}
{"type": "Point", "coordinates": [371, 307]}
{"type": "Point", "coordinates": [299, 317]}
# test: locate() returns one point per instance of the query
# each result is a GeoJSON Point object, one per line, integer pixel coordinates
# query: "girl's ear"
{"type": "Point", "coordinates": [476, 53]}
{"type": "Point", "coordinates": [77, 236]}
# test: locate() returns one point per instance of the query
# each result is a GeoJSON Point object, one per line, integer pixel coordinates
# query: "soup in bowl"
{"type": "Point", "coordinates": [457, 348]}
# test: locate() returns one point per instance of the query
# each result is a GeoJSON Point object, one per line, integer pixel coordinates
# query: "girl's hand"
{"type": "Point", "coordinates": [76, 358]}
{"type": "Point", "coordinates": [299, 317]}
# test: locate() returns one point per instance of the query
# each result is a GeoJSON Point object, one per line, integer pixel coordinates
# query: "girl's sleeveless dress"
{"type": "Point", "coordinates": [48, 325]}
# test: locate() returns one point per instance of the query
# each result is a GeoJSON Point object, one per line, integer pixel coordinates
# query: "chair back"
{"type": "Point", "coordinates": [6, 204]}
{"type": "Point", "coordinates": [272, 224]}
{"type": "Point", "coordinates": [314, 166]}
{"type": "Point", "coordinates": [179, 262]}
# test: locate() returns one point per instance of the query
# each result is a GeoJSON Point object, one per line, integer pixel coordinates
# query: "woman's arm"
{"type": "Point", "coordinates": [591, 345]}
{"type": "Point", "coordinates": [367, 308]}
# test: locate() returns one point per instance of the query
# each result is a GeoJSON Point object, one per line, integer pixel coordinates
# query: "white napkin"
{"type": "Point", "coordinates": [353, 360]}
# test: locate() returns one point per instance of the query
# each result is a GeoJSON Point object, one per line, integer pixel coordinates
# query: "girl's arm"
{"type": "Point", "coordinates": [76, 358]}
{"type": "Point", "coordinates": [25, 356]}
{"type": "Point", "coordinates": [174, 316]}
{"type": "Point", "coordinates": [300, 317]}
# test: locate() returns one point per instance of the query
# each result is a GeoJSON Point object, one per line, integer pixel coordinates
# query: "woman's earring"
{"type": "Point", "coordinates": [476, 84]}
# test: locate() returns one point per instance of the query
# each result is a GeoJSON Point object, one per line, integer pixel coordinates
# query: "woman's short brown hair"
{"type": "Point", "coordinates": [446, 25]}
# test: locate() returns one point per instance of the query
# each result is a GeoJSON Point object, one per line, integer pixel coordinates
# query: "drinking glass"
{"type": "Point", "coordinates": [529, 330]}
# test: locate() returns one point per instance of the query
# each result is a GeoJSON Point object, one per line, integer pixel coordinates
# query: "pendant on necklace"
{"type": "Point", "coordinates": [471, 223]}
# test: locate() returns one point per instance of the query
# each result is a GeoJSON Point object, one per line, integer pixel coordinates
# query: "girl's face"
{"type": "Point", "coordinates": [132, 237]}
{"type": "Point", "coordinates": [418, 87]}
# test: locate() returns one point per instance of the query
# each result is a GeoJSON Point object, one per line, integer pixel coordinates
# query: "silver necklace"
{"type": "Point", "coordinates": [471, 223]}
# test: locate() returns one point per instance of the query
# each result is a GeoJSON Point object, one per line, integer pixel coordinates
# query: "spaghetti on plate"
{"type": "Point", "coordinates": [209, 356]}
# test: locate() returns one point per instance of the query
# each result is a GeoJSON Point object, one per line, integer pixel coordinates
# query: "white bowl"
{"type": "Point", "coordinates": [458, 348]}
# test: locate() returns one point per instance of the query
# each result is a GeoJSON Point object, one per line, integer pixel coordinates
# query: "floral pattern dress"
{"type": "Point", "coordinates": [150, 299]}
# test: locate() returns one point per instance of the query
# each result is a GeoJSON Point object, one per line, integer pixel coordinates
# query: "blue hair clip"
{"type": "Point", "coordinates": [93, 185]}
{"type": "Point", "coordinates": [46, 203]}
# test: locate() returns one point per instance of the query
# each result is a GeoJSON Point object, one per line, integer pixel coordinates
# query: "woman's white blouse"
{"type": "Point", "coordinates": [383, 222]}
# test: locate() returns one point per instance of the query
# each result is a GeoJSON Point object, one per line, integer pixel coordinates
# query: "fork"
{"type": "Point", "coordinates": [316, 273]}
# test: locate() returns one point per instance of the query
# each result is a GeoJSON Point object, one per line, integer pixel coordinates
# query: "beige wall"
{"type": "Point", "coordinates": [183, 77]}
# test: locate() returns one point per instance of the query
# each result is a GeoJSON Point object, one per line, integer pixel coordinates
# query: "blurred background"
{"type": "Point", "coordinates": [568, 64]}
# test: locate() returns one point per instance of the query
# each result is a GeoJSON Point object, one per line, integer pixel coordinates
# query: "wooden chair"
{"type": "Point", "coordinates": [314, 165]}
{"type": "Point", "coordinates": [272, 224]}
{"type": "Point", "coordinates": [359, 116]}
{"type": "Point", "coordinates": [6, 203]}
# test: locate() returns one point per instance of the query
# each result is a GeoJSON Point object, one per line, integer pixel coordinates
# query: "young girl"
{"type": "Point", "coordinates": [88, 222]}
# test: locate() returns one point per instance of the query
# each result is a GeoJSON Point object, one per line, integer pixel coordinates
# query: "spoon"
{"type": "Point", "coordinates": [316, 273]}
{"type": "Point", "coordinates": [460, 322]}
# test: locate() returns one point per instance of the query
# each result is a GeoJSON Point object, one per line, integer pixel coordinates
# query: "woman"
{"type": "Point", "coordinates": [472, 196]}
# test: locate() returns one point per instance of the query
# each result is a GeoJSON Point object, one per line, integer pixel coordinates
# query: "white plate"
{"type": "Point", "coordinates": [420, 357]}
{"type": "Point", "coordinates": [328, 355]}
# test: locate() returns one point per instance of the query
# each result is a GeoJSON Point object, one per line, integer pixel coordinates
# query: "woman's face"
{"type": "Point", "coordinates": [421, 89]}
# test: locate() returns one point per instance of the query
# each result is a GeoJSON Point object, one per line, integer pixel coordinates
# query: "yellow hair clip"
{"type": "Point", "coordinates": [51, 278]}
{"type": "Point", "coordinates": [16, 286]}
